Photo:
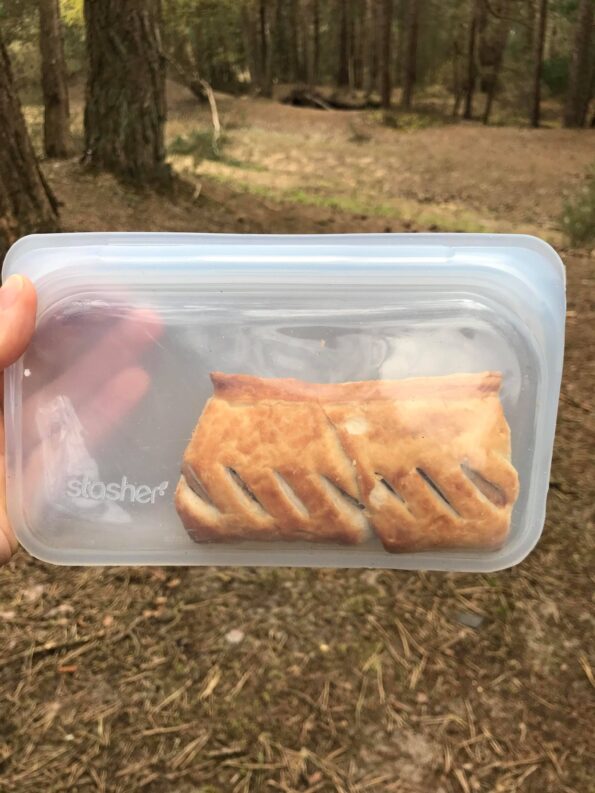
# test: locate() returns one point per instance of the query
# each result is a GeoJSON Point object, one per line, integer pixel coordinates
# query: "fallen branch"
{"type": "Point", "coordinates": [214, 114]}
{"type": "Point", "coordinates": [202, 90]}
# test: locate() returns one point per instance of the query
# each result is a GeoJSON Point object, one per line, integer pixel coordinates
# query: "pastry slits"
{"type": "Point", "coordinates": [420, 463]}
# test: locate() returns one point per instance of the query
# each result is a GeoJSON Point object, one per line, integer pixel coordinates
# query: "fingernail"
{"type": "Point", "coordinates": [10, 291]}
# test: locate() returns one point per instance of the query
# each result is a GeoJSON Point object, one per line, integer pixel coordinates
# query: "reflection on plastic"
{"type": "Point", "coordinates": [65, 457]}
{"type": "Point", "coordinates": [103, 403]}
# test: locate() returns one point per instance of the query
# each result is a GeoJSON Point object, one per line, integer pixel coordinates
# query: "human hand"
{"type": "Point", "coordinates": [97, 372]}
{"type": "Point", "coordinates": [18, 304]}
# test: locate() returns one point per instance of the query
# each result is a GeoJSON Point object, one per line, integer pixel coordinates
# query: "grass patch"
{"type": "Point", "coordinates": [578, 218]}
{"type": "Point", "coordinates": [408, 214]}
{"type": "Point", "coordinates": [199, 145]}
{"type": "Point", "coordinates": [410, 121]}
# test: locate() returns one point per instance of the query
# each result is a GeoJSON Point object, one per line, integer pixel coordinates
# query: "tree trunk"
{"type": "Point", "coordinates": [538, 63]}
{"type": "Point", "coordinates": [359, 43]}
{"type": "Point", "coordinates": [410, 59]}
{"type": "Point", "coordinates": [581, 69]}
{"type": "Point", "coordinates": [386, 21]}
{"type": "Point", "coordinates": [56, 122]}
{"type": "Point", "coordinates": [401, 15]}
{"type": "Point", "coordinates": [492, 47]}
{"type": "Point", "coordinates": [280, 45]}
{"type": "Point", "coordinates": [270, 60]}
{"type": "Point", "coordinates": [471, 65]}
{"type": "Point", "coordinates": [27, 205]}
{"type": "Point", "coordinates": [343, 65]}
{"type": "Point", "coordinates": [492, 86]}
{"type": "Point", "coordinates": [370, 56]}
{"type": "Point", "coordinates": [307, 43]}
{"type": "Point", "coordinates": [316, 41]}
{"type": "Point", "coordinates": [457, 82]}
{"type": "Point", "coordinates": [250, 36]}
{"type": "Point", "coordinates": [125, 100]}
{"type": "Point", "coordinates": [299, 40]}
{"type": "Point", "coordinates": [264, 50]}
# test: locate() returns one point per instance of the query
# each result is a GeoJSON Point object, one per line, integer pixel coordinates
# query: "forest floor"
{"type": "Point", "coordinates": [221, 680]}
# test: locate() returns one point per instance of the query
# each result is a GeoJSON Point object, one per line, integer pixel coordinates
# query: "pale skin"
{"type": "Point", "coordinates": [18, 304]}
{"type": "Point", "coordinates": [104, 383]}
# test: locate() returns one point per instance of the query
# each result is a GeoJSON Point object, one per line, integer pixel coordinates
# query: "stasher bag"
{"type": "Point", "coordinates": [343, 400]}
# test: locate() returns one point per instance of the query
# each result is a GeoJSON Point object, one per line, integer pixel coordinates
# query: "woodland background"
{"type": "Point", "coordinates": [308, 116]}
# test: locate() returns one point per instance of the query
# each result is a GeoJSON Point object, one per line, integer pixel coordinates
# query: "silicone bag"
{"type": "Point", "coordinates": [101, 408]}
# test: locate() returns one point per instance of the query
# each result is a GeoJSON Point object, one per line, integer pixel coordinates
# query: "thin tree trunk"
{"type": "Point", "coordinates": [534, 118]}
{"type": "Point", "coordinates": [316, 42]}
{"type": "Point", "coordinates": [376, 45]}
{"type": "Point", "coordinates": [491, 92]}
{"type": "Point", "coordinates": [299, 40]}
{"type": "Point", "coordinates": [359, 44]}
{"type": "Point", "coordinates": [265, 50]}
{"type": "Point", "coordinates": [125, 100]}
{"type": "Point", "coordinates": [270, 53]}
{"type": "Point", "coordinates": [386, 11]}
{"type": "Point", "coordinates": [456, 79]}
{"type": "Point", "coordinates": [56, 122]}
{"type": "Point", "coordinates": [369, 48]}
{"type": "Point", "coordinates": [495, 40]}
{"type": "Point", "coordinates": [582, 70]}
{"type": "Point", "coordinates": [250, 38]}
{"type": "Point", "coordinates": [284, 67]}
{"type": "Point", "coordinates": [307, 43]}
{"type": "Point", "coordinates": [471, 65]}
{"type": "Point", "coordinates": [410, 60]}
{"type": "Point", "coordinates": [401, 15]}
{"type": "Point", "coordinates": [292, 38]}
{"type": "Point", "coordinates": [350, 46]}
{"type": "Point", "coordinates": [343, 65]}
{"type": "Point", "coordinates": [27, 205]}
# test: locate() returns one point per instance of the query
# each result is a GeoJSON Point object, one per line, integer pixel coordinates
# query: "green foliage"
{"type": "Point", "coordinates": [72, 13]}
{"type": "Point", "coordinates": [206, 37]}
{"type": "Point", "coordinates": [241, 44]}
{"type": "Point", "coordinates": [555, 74]}
{"type": "Point", "coordinates": [578, 219]}
{"type": "Point", "coordinates": [73, 25]}
{"type": "Point", "coordinates": [198, 143]}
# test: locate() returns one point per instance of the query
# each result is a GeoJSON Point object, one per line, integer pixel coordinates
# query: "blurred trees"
{"type": "Point", "coordinates": [475, 55]}
{"type": "Point", "coordinates": [26, 202]}
{"type": "Point", "coordinates": [487, 54]}
{"type": "Point", "coordinates": [513, 51]}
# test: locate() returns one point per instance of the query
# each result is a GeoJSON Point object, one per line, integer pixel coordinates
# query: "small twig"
{"type": "Point", "coordinates": [503, 18]}
{"type": "Point", "coordinates": [214, 114]}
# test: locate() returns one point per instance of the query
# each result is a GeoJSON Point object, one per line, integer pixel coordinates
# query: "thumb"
{"type": "Point", "coordinates": [18, 305]}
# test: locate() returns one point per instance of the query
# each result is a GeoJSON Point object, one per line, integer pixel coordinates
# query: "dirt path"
{"type": "Point", "coordinates": [220, 680]}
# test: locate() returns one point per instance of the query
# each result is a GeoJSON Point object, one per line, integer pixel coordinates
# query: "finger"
{"type": "Point", "coordinates": [112, 402]}
{"type": "Point", "coordinates": [96, 364]}
{"type": "Point", "coordinates": [8, 542]}
{"type": "Point", "coordinates": [18, 305]}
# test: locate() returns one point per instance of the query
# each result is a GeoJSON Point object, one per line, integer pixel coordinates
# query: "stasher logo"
{"type": "Point", "coordinates": [84, 487]}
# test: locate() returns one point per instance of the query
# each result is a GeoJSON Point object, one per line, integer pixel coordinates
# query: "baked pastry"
{"type": "Point", "coordinates": [420, 463]}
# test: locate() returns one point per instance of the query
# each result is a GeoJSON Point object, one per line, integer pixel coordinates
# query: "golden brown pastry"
{"type": "Point", "coordinates": [421, 463]}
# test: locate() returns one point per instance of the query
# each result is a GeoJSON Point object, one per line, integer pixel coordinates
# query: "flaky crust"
{"type": "Point", "coordinates": [421, 463]}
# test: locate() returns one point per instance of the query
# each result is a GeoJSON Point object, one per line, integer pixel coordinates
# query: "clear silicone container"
{"type": "Point", "coordinates": [384, 400]}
